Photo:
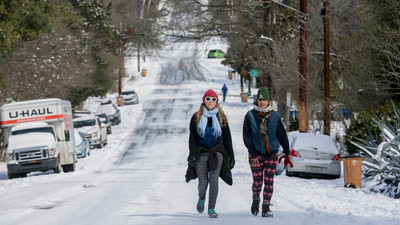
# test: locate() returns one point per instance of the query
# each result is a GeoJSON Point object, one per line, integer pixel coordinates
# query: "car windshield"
{"type": "Point", "coordinates": [213, 51]}
{"type": "Point", "coordinates": [105, 102]}
{"type": "Point", "coordinates": [108, 109]}
{"type": "Point", "coordinates": [314, 143]}
{"type": "Point", "coordinates": [31, 137]}
{"type": "Point", "coordinates": [78, 138]}
{"type": "Point", "coordinates": [85, 123]}
{"type": "Point", "coordinates": [102, 115]}
{"type": "Point", "coordinates": [128, 93]}
{"type": "Point", "coordinates": [39, 130]}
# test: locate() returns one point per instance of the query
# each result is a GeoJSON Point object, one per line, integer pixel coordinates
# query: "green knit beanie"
{"type": "Point", "coordinates": [263, 94]}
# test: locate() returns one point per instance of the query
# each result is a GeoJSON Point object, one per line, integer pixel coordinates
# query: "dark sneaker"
{"type": "Point", "coordinates": [266, 212]}
{"type": "Point", "coordinates": [212, 213]}
{"type": "Point", "coordinates": [200, 205]}
{"type": "Point", "coordinates": [255, 207]}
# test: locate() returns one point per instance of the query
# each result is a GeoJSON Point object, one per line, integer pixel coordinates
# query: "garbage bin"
{"type": "Point", "coordinates": [230, 75]}
{"type": "Point", "coordinates": [352, 171]}
{"type": "Point", "coordinates": [144, 72]}
{"type": "Point", "coordinates": [120, 101]}
{"type": "Point", "coordinates": [244, 96]}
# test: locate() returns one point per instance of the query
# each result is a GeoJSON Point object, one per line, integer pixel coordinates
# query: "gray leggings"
{"type": "Point", "coordinates": [202, 170]}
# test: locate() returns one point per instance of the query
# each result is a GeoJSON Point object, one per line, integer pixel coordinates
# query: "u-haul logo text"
{"type": "Point", "coordinates": [29, 113]}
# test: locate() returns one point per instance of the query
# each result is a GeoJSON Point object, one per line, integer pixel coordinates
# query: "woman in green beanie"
{"type": "Point", "coordinates": [263, 132]}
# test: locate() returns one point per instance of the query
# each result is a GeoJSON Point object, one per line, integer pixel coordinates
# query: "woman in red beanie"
{"type": "Point", "coordinates": [211, 151]}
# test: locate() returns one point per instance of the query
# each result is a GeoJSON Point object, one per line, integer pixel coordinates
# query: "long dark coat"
{"type": "Point", "coordinates": [194, 153]}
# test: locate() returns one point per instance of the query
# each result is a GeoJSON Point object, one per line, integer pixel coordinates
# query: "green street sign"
{"type": "Point", "coordinates": [253, 73]}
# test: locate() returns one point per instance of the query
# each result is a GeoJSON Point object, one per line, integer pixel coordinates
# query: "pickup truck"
{"type": "Point", "coordinates": [93, 130]}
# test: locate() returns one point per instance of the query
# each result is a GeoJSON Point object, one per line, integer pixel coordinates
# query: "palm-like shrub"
{"type": "Point", "coordinates": [363, 127]}
{"type": "Point", "coordinates": [381, 164]}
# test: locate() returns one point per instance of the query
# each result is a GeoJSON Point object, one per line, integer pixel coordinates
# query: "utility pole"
{"type": "Point", "coordinates": [268, 24]}
{"type": "Point", "coordinates": [120, 71]}
{"type": "Point", "coordinates": [138, 43]}
{"type": "Point", "coordinates": [240, 16]}
{"type": "Point", "coordinates": [303, 121]}
{"type": "Point", "coordinates": [240, 31]}
{"type": "Point", "coordinates": [264, 79]}
{"type": "Point", "coordinates": [119, 45]}
{"type": "Point", "coordinates": [327, 117]}
{"type": "Point", "coordinates": [122, 62]}
{"type": "Point", "coordinates": [271, 19]}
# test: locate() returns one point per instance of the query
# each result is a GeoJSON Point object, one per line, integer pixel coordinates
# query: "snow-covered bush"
{"type": "Point", "coordinates": [381, 164]}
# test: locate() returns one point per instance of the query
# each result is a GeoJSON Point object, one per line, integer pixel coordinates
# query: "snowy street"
{"type": "Point", "coordinates": [139, 176]}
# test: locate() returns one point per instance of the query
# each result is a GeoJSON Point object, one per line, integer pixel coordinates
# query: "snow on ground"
{"type": "Point", "coordinates": [138, 178]}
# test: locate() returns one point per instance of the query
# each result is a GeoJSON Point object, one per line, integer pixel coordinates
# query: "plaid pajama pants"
{"type": "Point", "coordinates": [264, 173]}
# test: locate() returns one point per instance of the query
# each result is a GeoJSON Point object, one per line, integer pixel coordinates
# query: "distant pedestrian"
{"type": "Point", "coordinates": [210, 151]}
{"type": "Point", "coordinates": [224, 92]}
{"type": "Point", "coordinates": [263, 132]}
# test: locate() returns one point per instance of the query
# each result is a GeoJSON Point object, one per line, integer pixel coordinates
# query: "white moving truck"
{"type": "Point", "coordinates": [38, 135]}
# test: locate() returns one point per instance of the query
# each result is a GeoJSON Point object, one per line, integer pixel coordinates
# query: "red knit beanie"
{"type": "Point", "coordinates": [210, 93]}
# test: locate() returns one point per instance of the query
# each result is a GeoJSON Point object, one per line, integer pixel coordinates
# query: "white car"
{"type": "Point", "coordinates": [314, 155]}
{"type": "Point", "coordinates": [130, 97]}
{"type": "Point", "coordinates": [93, 129]}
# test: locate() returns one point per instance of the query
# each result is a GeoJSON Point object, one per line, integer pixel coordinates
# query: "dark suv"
{"type": "Point", "coordinates": [111, 110]}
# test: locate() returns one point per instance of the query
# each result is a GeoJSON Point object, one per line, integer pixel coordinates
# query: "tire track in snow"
{"type": "Point", "coordinates": [157, 123]}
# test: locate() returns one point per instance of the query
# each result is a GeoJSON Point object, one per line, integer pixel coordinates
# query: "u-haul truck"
{"type": "Point", "coordinates": [38, 135]}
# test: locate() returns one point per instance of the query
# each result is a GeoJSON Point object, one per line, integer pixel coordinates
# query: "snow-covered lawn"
{"type": "Point", "coordinates": [138, 178]}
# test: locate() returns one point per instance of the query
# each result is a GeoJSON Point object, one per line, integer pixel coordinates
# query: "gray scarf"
{"type": "Point", "coordinates": [269, 108]}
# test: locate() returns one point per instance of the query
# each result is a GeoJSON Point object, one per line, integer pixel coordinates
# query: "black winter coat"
{"type": "Point", "coordinates": [226, 150]}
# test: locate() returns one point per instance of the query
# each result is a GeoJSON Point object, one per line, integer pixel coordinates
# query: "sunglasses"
{"type": "Point", "coordinates": [214, 99]}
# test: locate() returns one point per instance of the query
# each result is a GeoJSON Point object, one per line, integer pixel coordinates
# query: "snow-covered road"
{"type": "Point", "coordinates": [138, 178]}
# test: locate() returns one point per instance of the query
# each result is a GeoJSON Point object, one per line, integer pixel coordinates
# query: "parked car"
{"type": "Point", "coordinates": [111, 110]}
{"type": "Point", "coordinates": [104, 119]}
{"type": "Point", "coordinates": [82, 145]}
{"type": "Point", "coordinates": [80, 113]}
{"type": "Point", "coordinates": [314, 155]}
{"type": "Point", "coordinates": [216, 53]}
{"type": "Point", "coordinates": [130, 97]}
{"type": "Point", "coordinates": [93, 130]}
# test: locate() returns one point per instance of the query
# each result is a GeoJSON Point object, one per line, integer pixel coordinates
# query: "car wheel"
{"type": "Point", "coordinates": [58, 168]}
{"type": "Point", "coordinates": [100, 145]}
{"type": "Point", "coordinates": [12, 175]}
{"type": "Point", "coordinates": [16, 175]}
{"type": "Point", "coordinates": [289, 174]}
{"type": "Point", "coordinates": [69, 168]}
{"type": "Point", "coordinates": [278, 172]}
{"type": "Point", "coordinates": [88, 151]}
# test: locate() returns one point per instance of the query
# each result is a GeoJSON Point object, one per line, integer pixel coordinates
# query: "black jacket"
{"type": "Point", "coordinates": [225, 148]}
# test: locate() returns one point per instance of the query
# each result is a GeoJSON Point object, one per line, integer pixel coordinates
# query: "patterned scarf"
{"type": "Point", "coordinates": [263, 116]}
{"type": "Point", "coordinates": [216, 127]}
